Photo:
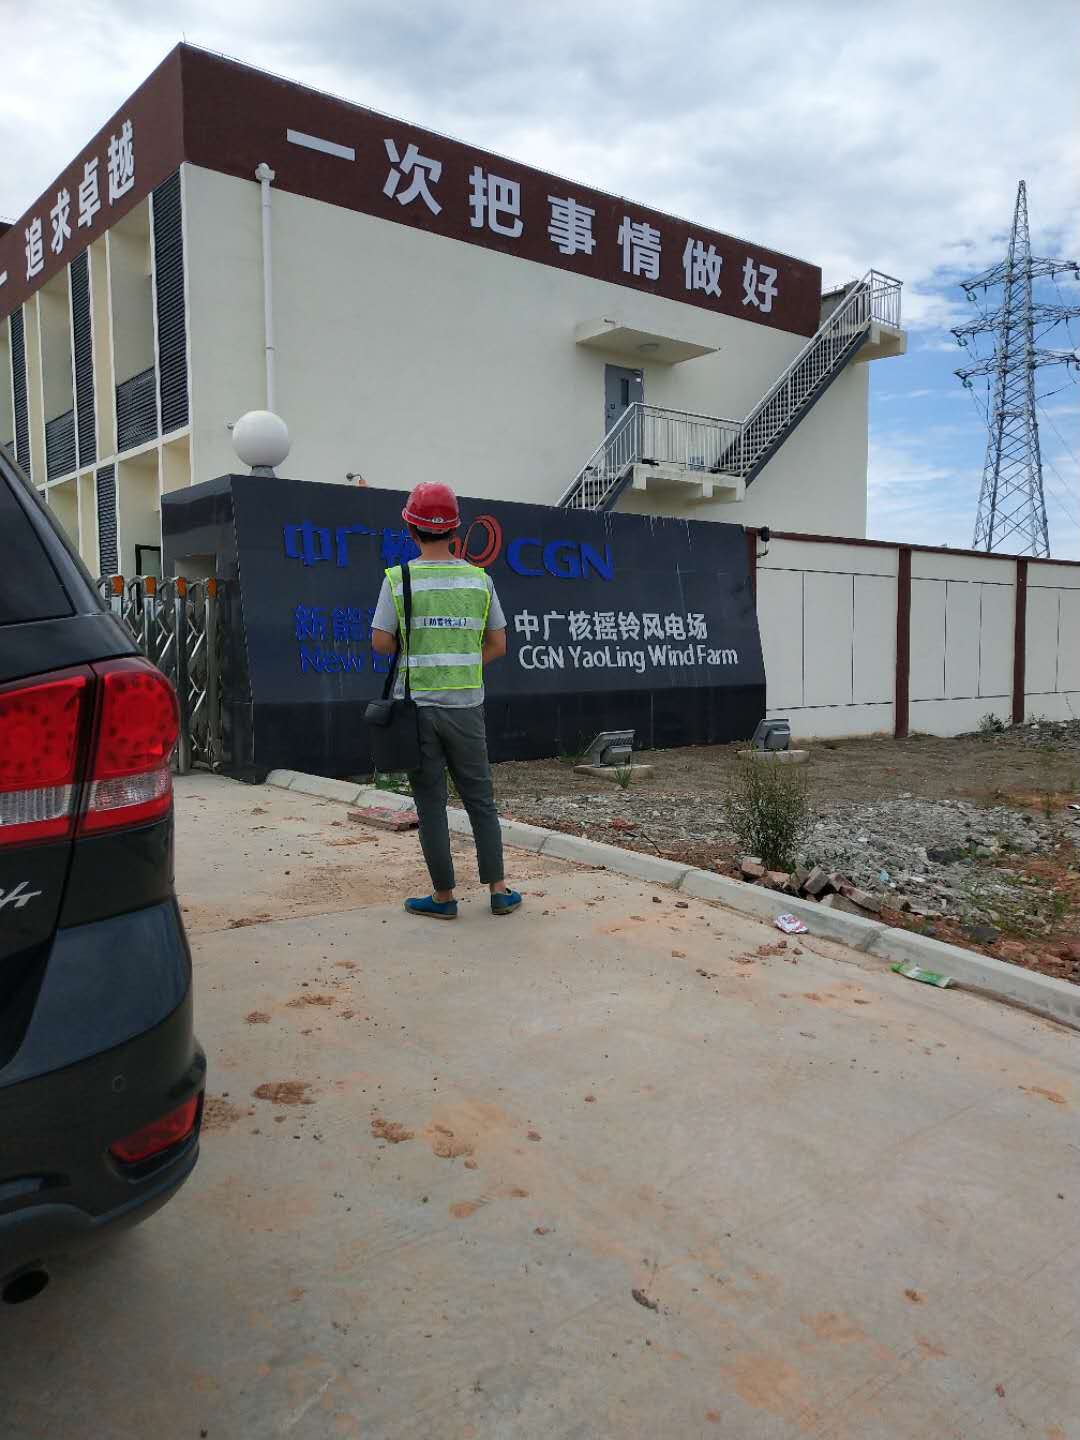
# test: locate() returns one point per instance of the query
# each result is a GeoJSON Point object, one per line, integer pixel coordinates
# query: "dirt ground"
{"type": "Point", "coordinates": [677, 812]}
{"type": "Point", "coordinates": [626, 1165]}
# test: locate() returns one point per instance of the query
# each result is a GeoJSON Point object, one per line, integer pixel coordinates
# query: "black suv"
{"type": "Point", "coordinates": [101, 1078]}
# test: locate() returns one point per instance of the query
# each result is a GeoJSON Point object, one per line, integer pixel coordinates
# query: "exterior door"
{"type": "Point", "coordinates": [622, 388]}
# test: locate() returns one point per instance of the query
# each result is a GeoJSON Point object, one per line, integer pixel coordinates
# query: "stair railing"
{"type": "Point", "coordinates": [649, 433]}
{"type": "Point", "coordinates": [874, 297]}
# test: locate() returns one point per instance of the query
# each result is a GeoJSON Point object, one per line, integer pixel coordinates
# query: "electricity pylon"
{"type": "Point", "coordinates": [1012, 507]}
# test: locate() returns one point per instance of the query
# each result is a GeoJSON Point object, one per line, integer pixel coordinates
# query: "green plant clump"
{"type": "Point", "coordinates": [768, 809]}
{"type": "Point", "coordinates": [395, 784]}
{"type": "Point", "coordinates": [991, 724]}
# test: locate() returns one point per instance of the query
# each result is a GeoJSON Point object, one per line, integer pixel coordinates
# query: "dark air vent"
{"type": "Point", "coordinates": [136, 410]}
{"type": "Point", "coordinates": [84, 359]}
{"type": "Point", "coordinates": [18, 370]}
{"type": "Point", "coordinates": [106, 520]}
{"type": "Point", "coordinates": [171, 319]}
{"type": "Point", "coordinates": [60, 445]}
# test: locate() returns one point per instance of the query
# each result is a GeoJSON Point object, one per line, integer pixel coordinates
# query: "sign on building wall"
{"type": "Point", "coordinates": [228, 117]}
{"type": "Point", "coordinates": [130, 156]}
{"type": "Point", "coordinates": [612, 620]}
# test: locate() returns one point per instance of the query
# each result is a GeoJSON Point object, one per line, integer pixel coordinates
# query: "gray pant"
{"type": "Point", "coordinates": [455, 740]}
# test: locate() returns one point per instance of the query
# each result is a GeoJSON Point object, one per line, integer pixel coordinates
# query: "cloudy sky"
{"type": "Point", "coordinates": [850, 132]}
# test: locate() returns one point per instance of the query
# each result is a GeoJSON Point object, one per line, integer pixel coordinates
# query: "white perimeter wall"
{"type": "Point", "coordinates": [828, 628]}
{"type": "Point", "coordinates": [406, 356]}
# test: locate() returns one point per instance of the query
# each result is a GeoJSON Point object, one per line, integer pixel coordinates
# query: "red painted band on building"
{"type": "Point", "coordinates": [227, 117]}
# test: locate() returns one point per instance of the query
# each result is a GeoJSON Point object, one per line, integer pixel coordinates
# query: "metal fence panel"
{"type": "Point", "coordinates": [175, 623]}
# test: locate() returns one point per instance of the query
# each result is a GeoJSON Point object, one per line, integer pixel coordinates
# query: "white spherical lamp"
{"type": "Point", "coordinates": [261, 439]}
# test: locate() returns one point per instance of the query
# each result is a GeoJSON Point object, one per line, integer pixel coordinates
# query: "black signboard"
{"type": "Point", "coordinates": [613, 621]}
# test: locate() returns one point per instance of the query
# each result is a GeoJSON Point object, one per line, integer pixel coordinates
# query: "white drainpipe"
{"type": "Point", "coordinates": [265, 175]}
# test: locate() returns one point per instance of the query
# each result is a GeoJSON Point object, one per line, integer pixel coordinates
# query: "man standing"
{"type": "Point", "coordinates": [457, 627]}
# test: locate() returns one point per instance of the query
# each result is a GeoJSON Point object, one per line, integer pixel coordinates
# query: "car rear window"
{"type": "Point", "coordinates": [29, 587]}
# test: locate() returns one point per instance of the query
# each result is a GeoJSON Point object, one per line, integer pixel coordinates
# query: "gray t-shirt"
{"type": "Point", "coordinates": [385, 618]}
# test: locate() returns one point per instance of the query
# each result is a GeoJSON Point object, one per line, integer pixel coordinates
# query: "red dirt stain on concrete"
{"type": "Point", "coordinates": [713, 1417]}
{"type": "Point", "coordinates": [931, 1348]}
{"type": "Point", "coordinates": [1054, 1096]}
{"type": "Point", "coordinates": [448, 1146]}
{"type": "Point", "coordinates": [389, 1130]}
{"type": "Point", "coordinates": [914, 1297]}
{"type": "Point", "coordinates": [299, 1001]}
{"type": "Point", "coordinates": [770, 1384]}
{"type": "Point", "coordinates": [284, 1092]}
{"type": "Point", "coordinates": [464, 1208]}
{"type": "Point", "coordinates": [219, 1114]}
{"type": "Point", "coordinates": [257, 1017]}
{"type": "Point", "coordinates": [831, 1326]}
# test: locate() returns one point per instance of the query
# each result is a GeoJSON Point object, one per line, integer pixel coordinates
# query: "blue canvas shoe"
{"type": "Point", "coordinates": [436, 909]}
{"type": "Point", "coordinates": [505, 903]}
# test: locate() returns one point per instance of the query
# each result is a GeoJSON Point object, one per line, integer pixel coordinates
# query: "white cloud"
{"type": "Point", "coordinates": [842, 133]}
{"type": "Point", "coordinates": [853, 135]}
{"type": "Point", "coordinates": [917, 498]}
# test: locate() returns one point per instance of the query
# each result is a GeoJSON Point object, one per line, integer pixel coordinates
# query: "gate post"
{"type": "Point", "coordinates": [149, 618]}
{"type": "Point", "coordinates": [183, 688]}
{"type": "Point", "coordinates": [213, 678]}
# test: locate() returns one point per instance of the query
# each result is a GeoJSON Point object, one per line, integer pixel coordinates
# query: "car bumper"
{"type": "Point", "coordinates": [59, 1185]}
{"type": "Point", "coordinates": [41, 1232]}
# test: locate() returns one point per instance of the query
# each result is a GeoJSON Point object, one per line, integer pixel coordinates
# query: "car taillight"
{"type": "Point", "coordinates": [128, 773]}
{"type": "Point", "coordinates": [40, 726]}
{"type": "Point", "coordinates": [152, 1139]}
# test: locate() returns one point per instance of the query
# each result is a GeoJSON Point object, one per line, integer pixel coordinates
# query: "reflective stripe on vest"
{"type": "Point", "coordinates": [450, 606]}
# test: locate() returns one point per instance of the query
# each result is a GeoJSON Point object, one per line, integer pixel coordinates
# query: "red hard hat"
{"type": "Point", "coordinates": [432, 506]}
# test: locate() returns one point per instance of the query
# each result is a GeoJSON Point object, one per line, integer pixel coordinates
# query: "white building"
{"type": "Point", "coordinates": [413, 308]}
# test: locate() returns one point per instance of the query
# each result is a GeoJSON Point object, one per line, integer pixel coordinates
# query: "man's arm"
{"type": "Point", "coordinates": [494, 645]}
{"type": "Point", "coordinates": [384, 623]}
{"type": "Point", "coordinates": [495, 634]}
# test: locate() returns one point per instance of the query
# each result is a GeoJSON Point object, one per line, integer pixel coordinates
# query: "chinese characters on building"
{"type": "Point", "coordinates": [626, 640]}
{"type": "Point", "coordinates": [120, 166]}
{"type": "Point", "coordinates": [495, 205]}
{"type": "Point", "coordinates": [321, 630]}
{"type": "Point", "coordinates": [609, 625]}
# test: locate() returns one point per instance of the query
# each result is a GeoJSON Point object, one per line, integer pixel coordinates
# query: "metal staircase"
{"type": "Point", "coordinates": [740, 449]}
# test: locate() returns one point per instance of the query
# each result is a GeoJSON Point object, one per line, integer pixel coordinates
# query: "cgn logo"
{"type": "Point", "coordinates": [482, 544]}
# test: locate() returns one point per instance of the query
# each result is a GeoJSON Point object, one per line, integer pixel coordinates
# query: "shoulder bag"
{"type": "Point", "coordinates": [393, 728]}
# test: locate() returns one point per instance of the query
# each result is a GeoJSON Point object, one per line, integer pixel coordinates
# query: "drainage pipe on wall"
{"type": "Point", "coordinates": [265, 175]}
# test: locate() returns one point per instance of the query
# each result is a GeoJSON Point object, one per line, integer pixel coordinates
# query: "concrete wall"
{"type": "Point", "coordinates": [7, 397]}
{"type": "Point", "coordinates": [828, 614]}
{"type": "Point", "coordinates": [404, 355]}
{"type": "Point", "coordinates": [1052, 681]}
{"type": "Point", "coordinates": [131, 290]}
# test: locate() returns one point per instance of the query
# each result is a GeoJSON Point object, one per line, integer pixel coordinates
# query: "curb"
{"type": "Point", "coordinates": [1046, 996]}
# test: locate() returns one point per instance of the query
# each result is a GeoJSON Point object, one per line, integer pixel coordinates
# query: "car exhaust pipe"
{"type": "Point", "coordinates": [24, 1284]}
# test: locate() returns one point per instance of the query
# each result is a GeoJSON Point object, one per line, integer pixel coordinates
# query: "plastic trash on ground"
{"type": "Point", "coordinates": [926, 977]}
{"type": "Point", "coordinates": [790, 924]}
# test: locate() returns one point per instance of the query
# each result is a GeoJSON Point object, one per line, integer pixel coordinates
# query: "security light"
{"type": "Point", "coordinates": [772, 735]}
{"type": "Point", "coordinates": [611, 747]}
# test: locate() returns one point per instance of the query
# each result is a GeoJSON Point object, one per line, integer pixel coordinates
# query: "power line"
{"type": "Point", "coordinates": [1012, 501]}
{"type": "Point", "coordinates": [1050, 421]}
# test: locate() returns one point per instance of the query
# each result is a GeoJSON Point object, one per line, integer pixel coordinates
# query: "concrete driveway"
{"type": "Point", "coordinates": [609, 1168]}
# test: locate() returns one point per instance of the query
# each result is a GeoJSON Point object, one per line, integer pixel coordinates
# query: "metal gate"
{"type": "Point", "coordinates": [176, 624]}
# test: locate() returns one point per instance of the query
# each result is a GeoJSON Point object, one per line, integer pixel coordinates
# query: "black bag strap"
{"type": "Point", "coordinates": [403, 640]}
